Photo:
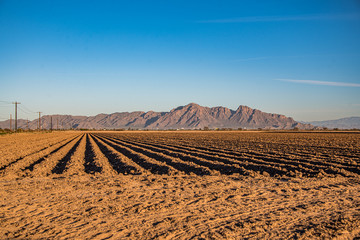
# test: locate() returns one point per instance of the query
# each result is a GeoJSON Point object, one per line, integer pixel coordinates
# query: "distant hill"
{"type": "Point", "coordinates": [191, 116]}
{"type": "Point", "coordinates": [343, 123]}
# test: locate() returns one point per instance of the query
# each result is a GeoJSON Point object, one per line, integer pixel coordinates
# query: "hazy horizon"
{"type": "Point", "coordinates": [299, 58]}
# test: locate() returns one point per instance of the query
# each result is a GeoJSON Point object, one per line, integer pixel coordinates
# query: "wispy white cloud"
{"type": "Point", "coordinates": [285, 18]}
{"type": "Point", "coordinates": [315, 82]}
{"type": "Point", "coordinates": [293, 57]}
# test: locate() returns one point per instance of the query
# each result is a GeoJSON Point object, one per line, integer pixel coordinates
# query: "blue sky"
{"type": "Point", "coordinates": [298, 58]}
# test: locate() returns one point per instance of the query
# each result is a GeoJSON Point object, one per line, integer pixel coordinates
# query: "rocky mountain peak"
{"type": "Point", "coordinates": [190, 116]}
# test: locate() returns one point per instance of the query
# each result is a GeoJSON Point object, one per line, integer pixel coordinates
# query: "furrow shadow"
{"type": "Point", "coordinates": [222, 168]}
{"type": "Point", "coordinates": [61, 165]}
{"type": "Point", "coordinates": [31, 166]}
{"type": "Point", "coordinates": [250, 165]}
{"type": "Point", "coordinates": [21, 158]}
{"type": "Point", "coordinates": [115, 162]}
{"type": "Point", "coordinates": [186, 168]}
{"type": "Point", "coordinates": [90, 164]}
{"type": "Point", "coordinates": [153, 168]}
{"type": "Point", "coordinates": [308, 168]}
{"type": "Point", "coordinates": [273, 163]}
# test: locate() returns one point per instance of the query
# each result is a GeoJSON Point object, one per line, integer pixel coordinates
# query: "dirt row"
{"type": "Point", "coordinates": [29, 145]}
{"type": "Point", "coordinates": [191, 185]}
{"type": "Point", "coordinates": [340, 146]}
{"type": "Point", "coordinates": [228, 162]}
{"type": "Point", "coordinates": [110, 153]}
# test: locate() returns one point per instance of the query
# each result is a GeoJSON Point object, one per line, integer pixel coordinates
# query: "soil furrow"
{"type": "Point", "coordinates": [7, 162]}
{"type": "Point", "coordinates": [101, 160]}
{"type": "Point", "coordinates": [47, 164]}
{"type": "Point", "coordinates": [321, 158]}
{"type": "Point", "coordinates": [273, 149]}
{"type": "Point", "coordinates": [61, 165]}
{"type": "Point", "coordinates": [212, 165]}
{"type": "Point", "coordinates": [231, 162]}
{"type": "Point", "coordinates": [180, 185]}
{"type": "Point", "coordinates": [150, 164]}
{"type": "Point", "coordinates": [90, 163]}
{"type": "Point", "coordinates": [177, 163]}
{"type": "Point", "coordinates": [119, 162]}
{"type": "Point", "coordinates": [18, 149]}
{"type": "Point", "coordinates": [214, 156]}
{"type": "Point", "coordinates": [76, 163]}
{"type": "Point", "coordinates": [29, 162]}
{"type": "Point", "coordinates": [310, 168]}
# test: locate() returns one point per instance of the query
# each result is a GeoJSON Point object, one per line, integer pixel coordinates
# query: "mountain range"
{"type": "Point", "coordinates": [343, 123]}
{"type": "Point", "coordinates": [191, 116]}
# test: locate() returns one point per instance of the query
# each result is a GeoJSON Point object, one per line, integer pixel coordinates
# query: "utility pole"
{"type": "Point", "coordinates": [39, 121]}
{"type": "Point", "coordinates": [10, 122]}
{"type": "Point", "coordinates": [51, 123]}
{"type": "Point", "coordinates": [16, 103]}
{"type": "Point", "coordinates": [28, 124]}
{"type": "Point", "coordinates": [57, 124]}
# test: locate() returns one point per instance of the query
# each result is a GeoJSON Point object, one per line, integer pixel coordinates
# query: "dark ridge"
{"type": "Point", "coordinates": [90, 164]}
{"type": "Point", "coordinates": [290, 166]}
{"type": "Point", "coordinates": [60, 167]}
{"type": "Point", "coordinates": [20, 158]}
{"type": "Point", "coordinates": [177, 165]}
{"type": "Point", "coordinates": [151, 121]}
{"type": "Point", "coordinates": [115, 162]}
{"type": "Point", "coordinates": [235, 160]}
{"type": "Point", "coordinates": [258, 165]}
{"type": "Point", "coordinates": [131, 122]}
{"type": "Point", "coordinates": [272, 171]}
{"type": "Point", "coordinates": [153, 168]}
{"type": "Point", "coordinates": [31, 166]}
{"type": "Point", "coordinates": [224, 169]}
{"type": "Point", "coordinates": [316, 166]}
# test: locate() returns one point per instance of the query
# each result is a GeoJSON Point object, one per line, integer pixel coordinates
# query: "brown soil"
{"type": "Point", "coordinates": [180, 185]}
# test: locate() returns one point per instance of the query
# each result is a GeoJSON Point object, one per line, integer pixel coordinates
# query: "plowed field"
{"type": "Point", "coordinates": [180, 185]}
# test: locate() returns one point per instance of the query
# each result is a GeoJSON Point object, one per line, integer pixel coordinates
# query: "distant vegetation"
{"type": "Point", "coordinates": [324, 129]}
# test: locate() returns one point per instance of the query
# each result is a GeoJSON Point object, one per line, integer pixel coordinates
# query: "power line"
{"type": "Point", "coordinates": [27, 109]}
{"type": "Point", "coordinates": [23, 111]}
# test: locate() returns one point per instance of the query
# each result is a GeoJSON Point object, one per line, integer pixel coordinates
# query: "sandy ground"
{"type": "Point", "coordinates": [119, 186]}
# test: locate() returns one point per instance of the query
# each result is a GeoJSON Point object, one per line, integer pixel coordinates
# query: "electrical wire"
{"type": "Point", "coordinates": [26, 108]}
{"type": "Point", "coordinates": [21, 107]}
